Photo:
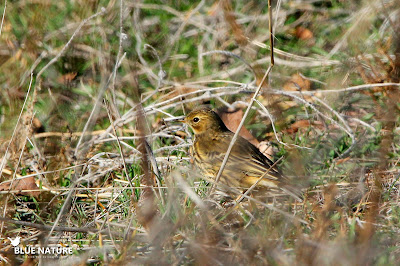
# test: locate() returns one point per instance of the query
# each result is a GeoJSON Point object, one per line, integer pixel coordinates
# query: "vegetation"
{"type": "Point", "coordinates": [91, 155]}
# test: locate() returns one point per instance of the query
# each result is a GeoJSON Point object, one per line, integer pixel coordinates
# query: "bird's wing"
{"type": "Point", "coordinates": [253, 161]}
{"type": "Point", "coordinates": [246, 164]}
{"type": "Point", "coordinates": [244, 160]}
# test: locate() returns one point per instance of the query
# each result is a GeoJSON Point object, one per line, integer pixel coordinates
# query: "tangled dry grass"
{"type": "Point", "coordinates": [90, 157]}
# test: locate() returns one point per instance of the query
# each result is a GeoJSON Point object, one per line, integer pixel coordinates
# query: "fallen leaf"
{"type": "Point", "coordinates": [303, 124]}
{"type": "Point", "coordinates": [179, 90]}
{"type": "Point", "coordinates": [284, 105]}
{"type": "Point", "coordinates": [340, 161]}
{"type": "Point", "coordinates": [298, 124]}
{"type": "Point", "coordinates": [303, 33]}
{"type": "Point", "coordinates": [21, 184]}
{"type": "Point", "coordinates": [28, 262]}
{"type": "Point", "coordinates": [232, 120]}
{"type": "Point", "coordinates": [354, 113]}
{"type": "Point", "coordinates": [181, 134]}
{"type": "Point", "coordinates": [67, 78]}
{"type": "Point", "coordinates": [37, 126]}
{"type": "Point", "coordinates": [266, 148]}
{"type": "Point", "coordinates": [297, 82]}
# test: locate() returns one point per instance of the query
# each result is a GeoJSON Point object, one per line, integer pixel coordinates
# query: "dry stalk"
{"type": "Point", "coordinates": [146, 209]}
{"type": "Point", "coordinates": [52, 61]}
{"type": "Point", "coordinates": [4, 14]}
{"type": "Point", "coordinates": [119, 144]}
{"type": "Point", "coordinates": [45, 227]}
{"type": "Point", "coordinates": [256, 183]}
{"type": "Point", "coordinates": [21, 146]}
{"type": "Point", "coordinates": [261, 84]}
{"type": "Point", "coordinates": [3, 161]}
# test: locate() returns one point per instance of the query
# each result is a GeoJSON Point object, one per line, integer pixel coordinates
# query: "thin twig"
{"type": "Point", "coordinates": [348, 89]}
{"type": "Point", "coordinates": [360, 122]}
{"type": "Point", "coordinates": [235, 136]}
{"type": "Point", "coordinates": [274, 129]}
{"type": "Point", "coordinates": [227, 53]}
{"type": "Point", "coordinates": [4, 13]}
{"type": "Point", "coordinates": [52, 61]}
{"type": "Point", "coordinates": [257, 182]}
{"type": "Point", "coordinates": [66, 205]}
{"type": "Point", "coordinates": [15, 128]}
{"type": "Point", "coordinates": [173, 40]}
{"type": "Point", "coordinates": [122, 36]}
{"type": "Point", "coordinates": [49, 227]}
{"type": "Point", "coordinates": [119, 145]}
{"type": "Point", "coordinates": [188, 190]}
{"type": "Point", "coordinates": [96, 107]}
{"type": "Point", "coordinates": [313, 108]}
{"type": "Point", "coordinates": [349, 130]}
{"type": "Point", "coordinates": [15, 172]}
{"type": "Point", "coordinates": [161, 73]}
{"type": "Point", "coordinates": [239, 193]}
{"type": "Point", "coordinates": [271, 35]}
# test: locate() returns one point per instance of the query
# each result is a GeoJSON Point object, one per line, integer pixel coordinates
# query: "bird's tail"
{"type": "Point", "coordinates": [295, 192]}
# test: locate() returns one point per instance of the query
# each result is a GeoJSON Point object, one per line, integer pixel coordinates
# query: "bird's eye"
{"type": "Point", "coordinates": [196, 119]}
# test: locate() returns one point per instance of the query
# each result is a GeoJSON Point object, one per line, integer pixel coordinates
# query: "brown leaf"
{"type": "Point", "coordinates": [266, 148]}
{"type": "Point", "coordinates": [179, 90]}
{"type": "Point", "coordinates": [67, 78]}
{"type": "Point", "coordinates": [303, 33]}
{"type": "Point", "coordinates": [297, 82]}
{"type": "Point", "coordinates": [232, 121]}
{"type": "Point", "coordinates": [340, 161]}
{"type": "Point", "coordinates": [28, 262]}
{"type": "Point", "coordinates": [303, 124]}
{"type": "Point", "coordinates": [237, 30]}
{"type": "Point", "coordinates": [21, 184]}
{"type": "Point", "coordinates": [37, 126]}
{"type": "Point", "coordinates": [181, 134]}
{"type": "Point", "coordinates": [284, 105]}
{"type": "Point", "coordinates": [298, 124]}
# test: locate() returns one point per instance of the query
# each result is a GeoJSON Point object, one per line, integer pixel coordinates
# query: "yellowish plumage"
{"type": "Point", "coordinates": [246, 164]}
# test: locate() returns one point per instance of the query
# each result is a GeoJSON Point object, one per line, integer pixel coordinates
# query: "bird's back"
{"type": "Point", "coordinates": [245, 165]}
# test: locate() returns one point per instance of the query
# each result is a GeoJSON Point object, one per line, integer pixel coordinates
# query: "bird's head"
{"type": "Point", "coordinates": [204, 119]}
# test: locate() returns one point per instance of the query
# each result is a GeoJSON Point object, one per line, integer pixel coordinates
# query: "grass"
{"type": "Point", "coordinates": [346, 158]}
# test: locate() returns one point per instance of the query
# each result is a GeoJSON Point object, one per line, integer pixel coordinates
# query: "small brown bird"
{"type": "Point", "coordinates": [246, 164]}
